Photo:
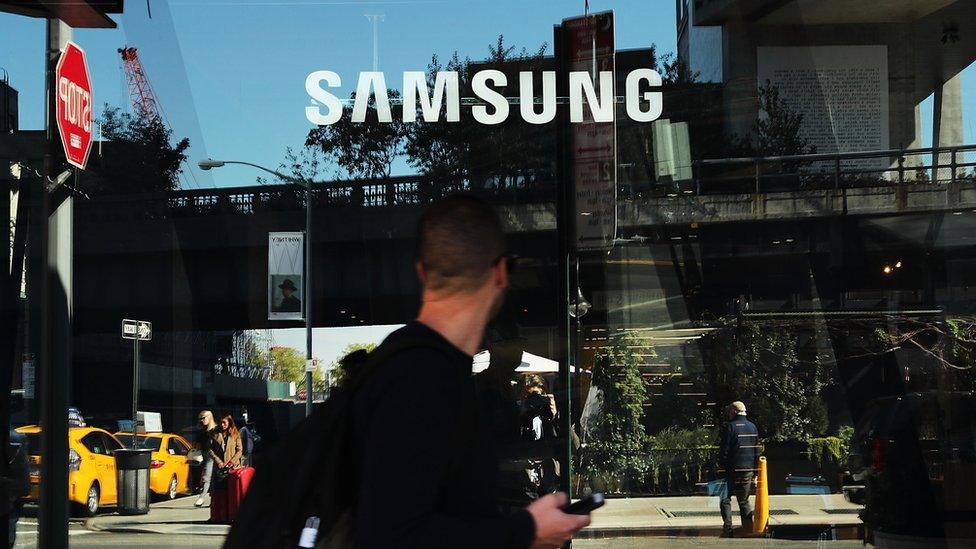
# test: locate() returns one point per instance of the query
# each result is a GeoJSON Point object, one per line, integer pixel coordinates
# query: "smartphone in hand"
{"type": "Point", "coordinates": [586, 505]}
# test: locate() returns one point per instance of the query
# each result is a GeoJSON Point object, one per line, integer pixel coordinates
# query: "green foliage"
{"type": "Point", "coordinates": [777, 130]}
{"type": "Point", "coordinates": [618, 438]}
{"type": "Point", "coordinates": [670, 410]}
{"type": "Point", "coordinates": [468, 149]}
{"type": "Point", "coordinates": [138, 156]}
{"type": "Point", "coordinates": [287, 365]}
{"type": "Point", "coordinates": [363, 149]}
{"type": "Point", "coordinates": [822, 450]}
{"type": "Point", "coordinates": [677, 459]}
{"type": "Point", "coordinates": [759, 364]}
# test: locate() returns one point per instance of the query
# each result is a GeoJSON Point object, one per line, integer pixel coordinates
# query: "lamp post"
{"type": "Point", "coordinates": [210, 163]}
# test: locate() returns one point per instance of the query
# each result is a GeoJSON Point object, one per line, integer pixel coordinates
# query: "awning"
{"type": "Point", "coordinates": [531, 364]}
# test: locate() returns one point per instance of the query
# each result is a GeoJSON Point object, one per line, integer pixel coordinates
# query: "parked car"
{"type": "Point", "coordinates": [169, 468]}
{"type": "Point", "coordinates": [91, 467]}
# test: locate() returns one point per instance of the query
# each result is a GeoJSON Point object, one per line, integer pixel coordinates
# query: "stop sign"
{"type": "Point", "coordinates": [73, 100]}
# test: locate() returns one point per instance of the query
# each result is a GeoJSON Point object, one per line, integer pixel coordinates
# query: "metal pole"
{"type": "Point", "coordinates": [566, 236]}
{"type": "Point", "coordinates": [135, 391]}
{"type": "Point", "coordinates": [53, 294]}
{"type": "Point", "coordinates": [308, 298]}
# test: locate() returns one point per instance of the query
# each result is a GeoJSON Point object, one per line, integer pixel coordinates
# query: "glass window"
{"type": "Point", "coordinates": [741, 239]}
{"type": "Point", "coordinates": [95, 443]}
{"type": "Point", "coordinates": [177, 448]}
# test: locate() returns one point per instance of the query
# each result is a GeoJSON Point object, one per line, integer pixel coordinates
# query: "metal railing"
{"type": "Point", "coordinates": [244, 371]}
{"type": "Point", "coordinates": [896, 168]}
{"type": "Point", "coordinates": [526, 187]}
{"type": "Point", "coordinates": [931, 165]}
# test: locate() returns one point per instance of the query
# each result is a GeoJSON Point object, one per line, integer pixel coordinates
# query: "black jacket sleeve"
{"type": "Point", "coordinates": [407, 453]}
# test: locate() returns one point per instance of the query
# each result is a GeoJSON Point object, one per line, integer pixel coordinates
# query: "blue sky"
{"type": "Point", "coordinates": [230, 74]}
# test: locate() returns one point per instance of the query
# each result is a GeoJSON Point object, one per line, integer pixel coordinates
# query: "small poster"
{"type": "Point", "coordinates": [286, 268]}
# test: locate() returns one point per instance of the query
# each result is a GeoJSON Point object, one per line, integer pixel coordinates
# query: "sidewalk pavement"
{"type": "Point", "coordinates": [178, 516]}
{"type": "Point", "coordinates": [700, 515]}
{"type": "Point", "coordinates": [625, 517]}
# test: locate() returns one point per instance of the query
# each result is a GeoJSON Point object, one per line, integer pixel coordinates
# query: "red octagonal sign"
{"type": "Point", "coordinates": [73, 97]}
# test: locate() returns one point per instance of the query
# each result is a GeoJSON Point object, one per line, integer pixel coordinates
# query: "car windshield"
{"type": "Point", "coordinates": [142, 443]}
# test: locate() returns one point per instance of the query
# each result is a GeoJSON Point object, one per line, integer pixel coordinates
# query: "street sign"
{"type": "Point", "coordinates": [73, 100]}
{"type": "Point", "coordinates": [136, 329]}
{"type": "Point", "coordinates": [593, 147]}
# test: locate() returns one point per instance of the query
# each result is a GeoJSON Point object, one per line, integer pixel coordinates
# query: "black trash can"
{"type": "Point", "coordinates": [132, 476]}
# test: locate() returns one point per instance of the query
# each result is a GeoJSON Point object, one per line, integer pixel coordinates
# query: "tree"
{"type": "Point", "coordinates": [338, 371]}
{"type": "Point", "coordinates": [469, 150]}
{"type": "Point", "coordinates": [617, 435]}
{"type": "Point", "coordinates": [138, 155]}
{"type": "Point", "coordinates": [287, 365]}
{"type": "Point", "coordinates": [777, 130]}
{"type": "Point", "coordinates": [363, 149]}
{"type": "Point", "coordinates": [759, 363]}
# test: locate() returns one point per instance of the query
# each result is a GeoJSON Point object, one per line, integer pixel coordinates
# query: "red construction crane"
{"type": "Point", "coordinates": [140, 92]}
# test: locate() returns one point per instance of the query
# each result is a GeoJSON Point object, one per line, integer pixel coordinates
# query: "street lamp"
{"type": "Point", "coordinates": [210, 163]}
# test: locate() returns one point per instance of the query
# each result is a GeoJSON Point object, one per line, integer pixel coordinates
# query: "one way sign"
{"type": "Point", "coordinates": [136, 329]}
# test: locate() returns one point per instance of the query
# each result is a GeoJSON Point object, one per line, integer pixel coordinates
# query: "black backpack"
{"type": "Point", "coordinates": [306, 478]}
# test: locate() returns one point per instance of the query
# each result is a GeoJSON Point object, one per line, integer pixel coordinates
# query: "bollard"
{"type": "Point", "coordinates": [760, 516]}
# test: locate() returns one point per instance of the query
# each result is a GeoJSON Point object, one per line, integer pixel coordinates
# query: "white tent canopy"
{"type": "Point", "coordinates": [531, 364]}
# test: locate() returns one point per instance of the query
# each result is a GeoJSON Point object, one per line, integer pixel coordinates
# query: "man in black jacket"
{"type": "Point", "coordinates": [739, 455]}
{"type": "Point", "coordinates": [428, 472]}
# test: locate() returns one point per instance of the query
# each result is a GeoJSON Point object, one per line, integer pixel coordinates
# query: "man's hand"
{"type": "Point", "coordinates": [552, 405]}
{"type": "Point", "coordinates": [220, 464]}
{"type": "Point", "coordinates": [553, 527]}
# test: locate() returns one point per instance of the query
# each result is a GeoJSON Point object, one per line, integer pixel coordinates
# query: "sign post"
{"type": "Point", "coordinates": [588, 46]}
{"type": "Point", "coordinates": [137, 331]}
{"type": "Point", "coordinates": [73, 104]}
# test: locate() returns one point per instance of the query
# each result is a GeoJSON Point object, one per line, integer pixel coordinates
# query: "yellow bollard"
{"type": "Point", "coordinates": [760, 516]}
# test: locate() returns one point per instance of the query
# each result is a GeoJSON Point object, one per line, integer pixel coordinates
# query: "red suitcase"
{"type": "Point", "coordinates": [227, 495]}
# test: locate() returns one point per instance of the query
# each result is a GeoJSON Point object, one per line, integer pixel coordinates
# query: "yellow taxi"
{"type": "Point", "coordinates": [91, 466]}
{"type": "Point", "coordinates": [169, 470]}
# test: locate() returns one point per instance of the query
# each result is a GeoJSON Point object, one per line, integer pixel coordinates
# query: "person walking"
{"type": "Point", "coordinates": [739, 455]}
{"type": "Point", "coordinates": [247, 441]}
{"type": "Point", "coordinates": [206, 430]}
{"type": "Point", "coordinates": [227, 450]}
{"type": "Point", "coordinates": [426, 468]}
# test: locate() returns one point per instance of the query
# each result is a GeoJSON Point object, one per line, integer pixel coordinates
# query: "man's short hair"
{"type": "Point", "coordinates": [459, 240]}
{"type": "Point", "coordinates": [737, 407]}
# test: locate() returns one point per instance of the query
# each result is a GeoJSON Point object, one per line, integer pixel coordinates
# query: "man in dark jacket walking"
{"type": "Point", "coordinates": [739, 455]}
{"type": "Point", "coordinates": [427, 468]}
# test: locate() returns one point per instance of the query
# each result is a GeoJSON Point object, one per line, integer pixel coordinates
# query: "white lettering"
{"type": "Point", "coordinates": [377, 82]}
{"type": "Point", "coordinates": [580, 83]}
{"type": "Point", "coordinates": [313, 85]}
{"type": "Point", "coordinates": [527, 98]}
{"type": "Point", "coordinates": [75, 104]}
{"type": "Point", "coordinates": [487, 86]}
{"type": "Point", "coordinates": [415, 82]}
{"type": "Point", "coordinates": [479, 85]}
{"type": "Point", "coordinates": [654, 98]}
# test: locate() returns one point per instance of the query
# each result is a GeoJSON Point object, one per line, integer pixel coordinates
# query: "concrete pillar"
{"type": "Point", "coordinates": [740, 97]}
{"type": "Point", "coordinates": [947, 123]}
{"type": "Point", "coordinates": [913, 162]}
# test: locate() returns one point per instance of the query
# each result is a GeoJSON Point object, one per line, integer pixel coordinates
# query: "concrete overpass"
{"type": "Point", "coordinates": [196, 260]}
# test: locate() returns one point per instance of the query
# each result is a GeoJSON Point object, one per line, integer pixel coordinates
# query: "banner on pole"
{"type": "Point", "coordinates": [286, 280]}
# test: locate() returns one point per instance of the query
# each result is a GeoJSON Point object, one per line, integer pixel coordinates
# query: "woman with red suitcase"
{"type": "Point", "coordinates": [232, 478]}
